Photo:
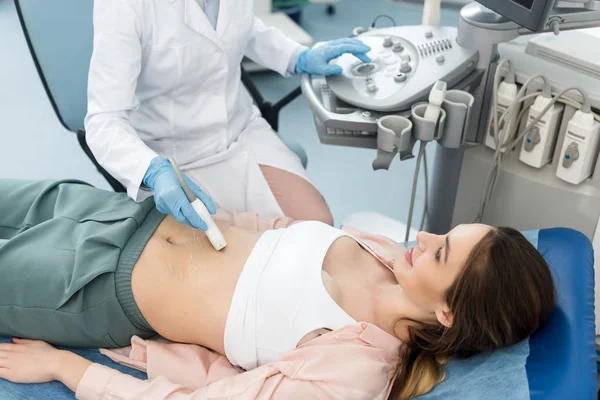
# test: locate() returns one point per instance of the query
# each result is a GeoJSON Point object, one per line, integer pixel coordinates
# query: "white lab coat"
{"type": "Point", "coordinates": [162, 81]}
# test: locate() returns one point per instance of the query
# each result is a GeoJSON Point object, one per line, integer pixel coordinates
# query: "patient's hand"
{"type": "Point", "coordinates": [34, 361]}
{"type": "Point", "coordinates": [28, 361]}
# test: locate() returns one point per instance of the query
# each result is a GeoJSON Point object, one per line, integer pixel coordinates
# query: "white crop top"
{"type": "Point", "coordinates": [280, 296]}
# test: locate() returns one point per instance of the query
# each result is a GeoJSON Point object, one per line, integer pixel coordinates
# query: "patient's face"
{"type": "Point", "coordinates": [434, 264]}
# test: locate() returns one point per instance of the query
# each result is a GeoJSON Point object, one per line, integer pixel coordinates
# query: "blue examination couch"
{"type": "Point", "coordinates": [561, 360]}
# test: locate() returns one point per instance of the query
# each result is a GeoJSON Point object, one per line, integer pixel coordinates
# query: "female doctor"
{"type": "Point", "coordinates": [165, 81]}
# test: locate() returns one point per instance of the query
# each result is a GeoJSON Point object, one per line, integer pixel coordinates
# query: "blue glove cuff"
{"type": "Point", "coordinates": [156, 166]}
{"type": "Point", "coordinates": [302, 62]}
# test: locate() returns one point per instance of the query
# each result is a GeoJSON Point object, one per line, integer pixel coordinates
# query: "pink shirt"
{"type": "Point", "coordinates": [355, 362]}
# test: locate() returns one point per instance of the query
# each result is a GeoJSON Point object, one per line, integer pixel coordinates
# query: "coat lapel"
{"type": "Point", "coordinates": [234, 15]}
{"type": "Point", "coordinates": [196, 20]}
{"type": "Point", "coordinates": [225, 14]}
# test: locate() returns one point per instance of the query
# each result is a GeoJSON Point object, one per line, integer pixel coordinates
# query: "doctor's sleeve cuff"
{"type": "Point", "coordinates": [137, 190]}
{"type": "Point", "coordinates": [271, 48]}
{"type": "Point", "coordinates": [294, 59]}
{"type": "Point", "coordinates": [290, 56]}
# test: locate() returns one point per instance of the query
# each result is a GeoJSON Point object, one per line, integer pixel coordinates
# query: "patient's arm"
{"type": "Point", "coordinates": [323, 370]}
{"type": "Point", "coordinates": [189, 372]}
{"type": "Point", "coordinates": [251, 220]}
{"type": "Point", "coordinates": [199, 373]}
{"type": "Point", "coordinates": [266, 382]}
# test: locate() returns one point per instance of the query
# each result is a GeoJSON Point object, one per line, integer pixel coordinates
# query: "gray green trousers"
{"type": "Point", "coordinates": [66, 255]}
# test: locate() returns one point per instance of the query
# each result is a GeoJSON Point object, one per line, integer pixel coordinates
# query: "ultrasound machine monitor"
{"type": "Point", "coordinates": [530, 14]}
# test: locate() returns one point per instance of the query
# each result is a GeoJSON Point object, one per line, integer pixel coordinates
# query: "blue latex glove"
{"type": "Point", "coordinates": [315, 61]}
{"type": "Point", "coordinates": [169, 196]}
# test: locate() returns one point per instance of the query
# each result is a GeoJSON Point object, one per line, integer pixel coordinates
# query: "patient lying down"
{"type": "Point", "coordinates": [309, 311]}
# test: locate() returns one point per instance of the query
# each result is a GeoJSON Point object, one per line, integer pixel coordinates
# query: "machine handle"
{"type": "Point", "coordinates": [354, 120]}
{"type": "Point", "coordinates": [313, 100]}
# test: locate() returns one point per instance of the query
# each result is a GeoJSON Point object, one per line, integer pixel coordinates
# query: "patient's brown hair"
{"type": "Point", "coordinates": [503, 294]}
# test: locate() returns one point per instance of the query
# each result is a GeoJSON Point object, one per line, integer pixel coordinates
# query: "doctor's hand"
{"type": "Point", "coordinates": [170, 197]}
{"type": "Point", "coordinates": [315, 61]}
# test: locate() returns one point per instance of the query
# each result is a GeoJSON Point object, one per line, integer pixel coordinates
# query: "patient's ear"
{"type": "Point", "coordinates": [445, 317]}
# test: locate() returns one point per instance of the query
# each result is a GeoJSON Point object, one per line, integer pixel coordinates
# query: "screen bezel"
{"type": "Point", "coordinates": [534, 19]}
{"type": "Point", "coordinates": [523, 5]}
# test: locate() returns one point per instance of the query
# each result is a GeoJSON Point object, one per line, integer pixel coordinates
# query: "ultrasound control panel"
{"type": "Point", "coordinates": [406, 62]}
